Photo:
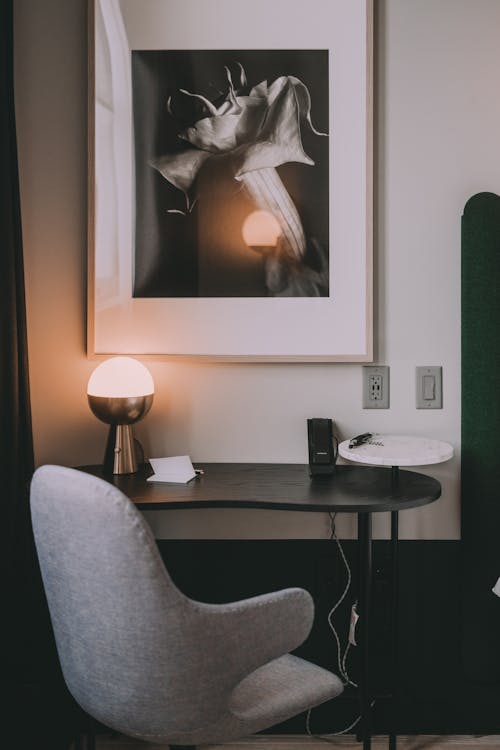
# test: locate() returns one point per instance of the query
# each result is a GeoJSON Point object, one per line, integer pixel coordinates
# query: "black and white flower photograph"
{"type": "Point", "coordinates": [231, 173]}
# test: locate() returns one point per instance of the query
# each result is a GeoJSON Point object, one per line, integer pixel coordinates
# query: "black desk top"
{"type": "Point", "coordinates": [353, 489]}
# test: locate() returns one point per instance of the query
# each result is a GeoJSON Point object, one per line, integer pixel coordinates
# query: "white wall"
{"type": "Point", "coordinates": [437, 143]}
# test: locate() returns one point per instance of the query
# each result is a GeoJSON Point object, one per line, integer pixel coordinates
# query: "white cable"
{"type": "Point", "coordinates": [331, 734]}
{"type": "Point", "coordinates": [340, 659]}
{"type": "Point", "coordinates": [344, 659]}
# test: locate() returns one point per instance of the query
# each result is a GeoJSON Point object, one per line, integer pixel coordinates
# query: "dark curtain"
{"type": "Point", "coordinates": [39, 712]}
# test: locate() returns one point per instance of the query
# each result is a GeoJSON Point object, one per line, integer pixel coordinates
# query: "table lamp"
{"type": "Point", "coordinates": [120, 392]}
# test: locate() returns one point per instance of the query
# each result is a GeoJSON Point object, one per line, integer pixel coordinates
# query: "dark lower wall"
{"type": "Point", "coordinates": [434, 694]}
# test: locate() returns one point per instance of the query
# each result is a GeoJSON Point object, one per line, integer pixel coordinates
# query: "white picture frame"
{"type": "Point", "coordinates": [334, 327]}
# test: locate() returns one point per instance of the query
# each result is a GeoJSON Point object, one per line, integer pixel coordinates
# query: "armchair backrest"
{"type": "Point", "coordinates": [121, 626]}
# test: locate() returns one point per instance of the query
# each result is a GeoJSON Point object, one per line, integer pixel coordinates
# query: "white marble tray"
{"type": "Point", "coordinates": [397, 450]}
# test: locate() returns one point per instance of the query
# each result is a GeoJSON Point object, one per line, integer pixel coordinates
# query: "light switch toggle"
{"type": "Point", "coordinates": [429, 387]}
{"type": "Point", "coordinates": [429, 391]}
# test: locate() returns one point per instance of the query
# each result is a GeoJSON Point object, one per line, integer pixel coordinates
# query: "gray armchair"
{"type": "Point", "coordinates": [138, 655]}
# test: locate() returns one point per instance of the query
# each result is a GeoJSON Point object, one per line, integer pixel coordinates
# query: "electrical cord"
{"type": "Point", "coordinates": [341, 658]}
{"type": "Point", "coordinates": [332, 734]}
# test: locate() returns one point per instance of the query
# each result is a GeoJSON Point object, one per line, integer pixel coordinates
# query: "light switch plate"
{"type": "Point", "coordinates": [375, 387]}
{"type": "Point", "coordinates": [429, 384]}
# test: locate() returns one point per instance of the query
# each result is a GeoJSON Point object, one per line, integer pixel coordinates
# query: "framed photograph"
{"type": "Point", "coordinates": [230, 179]}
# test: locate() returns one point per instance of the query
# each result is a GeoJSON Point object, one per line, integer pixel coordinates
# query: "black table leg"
{"type": "Point", "coordinates": [394, 625]}
{"type": "Point", "coordinates": [394, 613]}
{"type": "Point", "coordinates": [91, 732]}
{"type": "Point", "coordinates": [365, 579]}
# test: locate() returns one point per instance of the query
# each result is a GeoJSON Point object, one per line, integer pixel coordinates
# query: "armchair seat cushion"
{"type": "Point", "coordinates": [273, 693]}
{"type": "Point", "coordinates": [283, 688]}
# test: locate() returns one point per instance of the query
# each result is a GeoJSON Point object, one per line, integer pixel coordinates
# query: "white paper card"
{"type": "Point", "coordinates": [174, 469]}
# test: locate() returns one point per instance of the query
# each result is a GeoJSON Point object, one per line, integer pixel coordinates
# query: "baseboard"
{"type": "Point", "coordinates": [294, 742]}
{"type": "Point", "coordinates": [427, 742]}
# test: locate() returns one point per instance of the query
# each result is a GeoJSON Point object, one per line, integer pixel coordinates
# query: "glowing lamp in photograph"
{"type": "Point", "coordinates": [120, 393]}
{"type": "Point", "coordinates": [261, 231]}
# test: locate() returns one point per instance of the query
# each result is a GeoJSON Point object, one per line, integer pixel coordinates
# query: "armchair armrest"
{"type": "Point", "coordinates": [241, 636]}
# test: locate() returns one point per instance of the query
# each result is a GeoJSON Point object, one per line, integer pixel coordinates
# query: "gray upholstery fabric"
{"type": "Point", "coordinates": [141, 657]}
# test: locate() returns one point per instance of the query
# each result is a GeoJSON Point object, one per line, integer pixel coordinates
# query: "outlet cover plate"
{"type": "Point", "coordinates": [375, 387]}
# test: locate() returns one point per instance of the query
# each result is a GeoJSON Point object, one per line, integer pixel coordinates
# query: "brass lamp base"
{"type": "Point", "coordinates": [121, 413]}
{"type": "Point", "coordinates": [120, 456]}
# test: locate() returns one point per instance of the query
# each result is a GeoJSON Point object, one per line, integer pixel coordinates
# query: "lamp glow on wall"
{"type": "Point", "coordinates": [261, 231]}
{"type": "Point", "coordinates": [120, 393]}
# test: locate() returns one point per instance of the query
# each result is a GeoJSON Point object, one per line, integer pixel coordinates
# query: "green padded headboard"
{"type": "Point", "coordinates": [481, 436]}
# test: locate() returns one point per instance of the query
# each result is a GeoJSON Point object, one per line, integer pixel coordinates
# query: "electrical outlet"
{"type": "Point", "coordinates": [375, 387]}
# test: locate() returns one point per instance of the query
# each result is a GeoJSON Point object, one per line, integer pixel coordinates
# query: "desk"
{"type": "Point", "coordinates": [289, 487]}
